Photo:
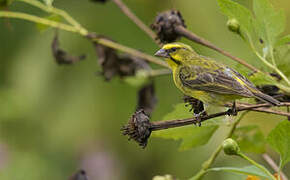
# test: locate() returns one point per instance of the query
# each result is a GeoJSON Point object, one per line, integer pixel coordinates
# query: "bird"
{"type": "Point", "coordinates": [207, 80]}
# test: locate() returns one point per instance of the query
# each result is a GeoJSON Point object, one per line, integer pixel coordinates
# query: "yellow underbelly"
{"type": "Point", "coordinates": [210, 98]}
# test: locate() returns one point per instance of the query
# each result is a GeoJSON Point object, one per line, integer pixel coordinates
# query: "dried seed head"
{"type": "Point", "coordinates": [114, 64]}
{"type": "Point", "coordinates": [138, 128]}
{"type": "Point", "coordinates": [108, 60]}
{"type": "Point", "coordinates": [147, 98]}
{"type": "Point", "coordinates": [61, 56]}
{"type": "Point", "coordinates": [79, 175]}
{"type": "Point", "coordinates": [165, 24]}
{"type": "Point", "coordinates": [100, 1]}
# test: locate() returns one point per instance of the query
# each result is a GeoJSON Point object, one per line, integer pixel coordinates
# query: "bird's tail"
{"type": "Point", "coordinates": [266, 98]}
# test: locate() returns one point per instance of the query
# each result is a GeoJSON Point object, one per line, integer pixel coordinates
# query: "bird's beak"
{"type": "Point", "coordinates": [162, 53]}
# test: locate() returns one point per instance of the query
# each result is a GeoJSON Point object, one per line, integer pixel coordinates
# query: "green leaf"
{"type": "Point", "coordinates": [247, 170]}
{"type": "Point", "coordinates": [260, 78]}
{"type": "Point", "coordinates": [5, 3]}
{"type": "Point", "coordinates": [279, 140]}
{"type": "Point", "coordinates": [53, 17]}
{"type": "Point", "coordinates": [191, 136]}
{"type": "Point", "coordinates": [250, 139]}
{"type": "Point", "coordinates": [238, 12]}
{"type": "Point", "coordinates": [282, 55]}
{"type": "Point", "coordinates": [284, 40]}
{"type": "Point", "coordinates": [48, 2]}
{"type": "Point", "coordinates": [269, 23]}
{"type": "Point", "coordinates": [141, 78]}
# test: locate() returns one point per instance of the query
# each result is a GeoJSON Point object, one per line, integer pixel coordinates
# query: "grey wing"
{"type": "Point", "coordinates": [221, 81]}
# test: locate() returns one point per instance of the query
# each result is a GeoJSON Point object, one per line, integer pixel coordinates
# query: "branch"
{"type": "Point", "coordinates": [283, 76]}
{"type": "Point", "coordinates": [82, 31]}
{"type": "Point", "coordinates": [271, 162]}
{"type": "Point", "coordinates": [159, 125]}
{"type": "Point", "coordinates": [35, 19]}
{"type": "Point", "coordinates": [51, 9]}
{"type": "Point", "coordinates": [136, 20]}
{"type": "Point", "coordinates": [126, 49]}
{"type": "Point", "coordinates": [190, 35]}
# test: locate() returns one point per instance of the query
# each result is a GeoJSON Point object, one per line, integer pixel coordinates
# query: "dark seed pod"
{"type": "Point", "coordinates": [108, 60]}
{"type": "Point", "coordinates": [61, 56]}
{"type": "Point", "coordinates": [79, 175]}
{"type": "Point", "coordinates": [114, 64]}
{"type": "Point", "coordinates": [138, 128]}
{"type": "Point", "coordinates": [99, 1]}
{"type": "Point", "coordinates": [165, 24]}
{"type": "Point", "coordinates": [147, 98]}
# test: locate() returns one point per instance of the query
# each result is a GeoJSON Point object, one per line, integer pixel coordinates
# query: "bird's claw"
{"type": "Point", "coordinates": [232, 111]}
{"type": "Point", "coordinates": [198, 116]}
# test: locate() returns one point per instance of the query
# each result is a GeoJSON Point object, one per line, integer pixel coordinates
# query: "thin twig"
{"type": "Point", "coordinates": [190, 35]}
{"type": "Point", "coordinates": [272, 163]}
{"type": "Point", "coordinates": [277, 70]}
{"type": "Point", "coordinates": [159, 72]}
{"type": "Point", "coordinates": [131, 51]}
{"type": "Point", "coordinates": [136, 20]}
{"type": "Point", "coordinates": [83, 32]}
{"type": "Point", "coordinates": [51, 9]}
{"type": "Point", "coordinates": [206, 165]}
{"type": "Point", "coordinates": [159, 125]}
{"type": "Point", "coordinates": [36, 19]}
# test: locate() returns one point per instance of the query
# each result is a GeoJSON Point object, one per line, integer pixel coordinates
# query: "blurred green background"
{"type": "Point", "coordinates": [55, 119]}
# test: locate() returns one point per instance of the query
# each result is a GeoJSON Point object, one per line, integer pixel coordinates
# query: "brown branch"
{"type": "Point", "coordinates": [271, 162]}
{"type": "Point", "coordinates": [139, 126]}
{"type": "Point", "coordinates": [136, 20]}
{"type": "Point", "coordinates": [266, 110]}
{"type": "Point", "coordinates": [159, 125]}
{"type": "Point", "coordinates": [190, 35]}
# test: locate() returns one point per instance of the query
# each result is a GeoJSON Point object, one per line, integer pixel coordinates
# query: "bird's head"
{"type": "Point", "coordinates": [176, 53]}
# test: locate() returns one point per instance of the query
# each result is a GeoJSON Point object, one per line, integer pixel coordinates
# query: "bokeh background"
{"type": "Point", "coordinates": [55, 119]}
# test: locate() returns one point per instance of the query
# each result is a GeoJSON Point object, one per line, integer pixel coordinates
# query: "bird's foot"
{"type": "Point", "coordinates": [198, 116]}
{"type": "Point", "coordinates": [233, 111]}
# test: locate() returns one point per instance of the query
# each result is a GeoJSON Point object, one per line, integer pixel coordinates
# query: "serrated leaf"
{"type": "Point", "coordinates": [247, 170]}
{"type": "Point", "coordinates": [53, 17]}
{"type": "Point", "coordinates": [269, 22]}
{"type": "Point", "coordinates": [250, 139]}
{"type": "Point", "coordinates": [284, 40]}
{"type": "Point", "coordinates": [239, 12]}
{"type": "Point", "coordinates": [191, 136]}
{"type": "Point", "coordinates": [279, 140]}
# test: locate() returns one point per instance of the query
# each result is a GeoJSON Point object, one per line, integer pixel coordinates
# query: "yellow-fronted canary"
{"type": "Point", "coordinates": [207, 80]}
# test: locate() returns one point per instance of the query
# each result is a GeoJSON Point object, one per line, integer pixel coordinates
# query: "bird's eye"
{"type": "Point", "coordinates": [173, 49]}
